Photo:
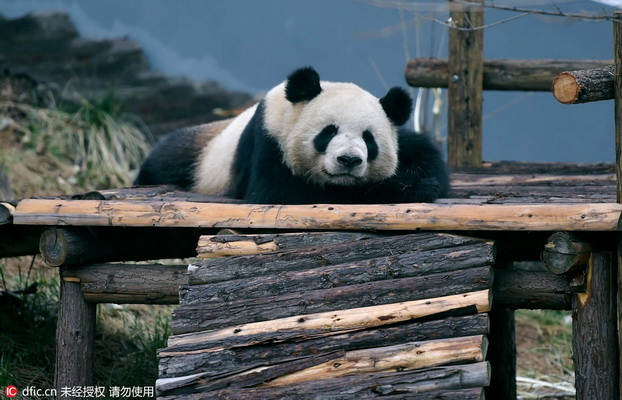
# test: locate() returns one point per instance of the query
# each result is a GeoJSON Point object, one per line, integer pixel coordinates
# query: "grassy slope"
{"type": "Point", "coordinates": [51, 150]}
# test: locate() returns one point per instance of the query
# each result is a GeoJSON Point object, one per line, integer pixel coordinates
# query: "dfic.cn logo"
{"type": "Point", "coordinates": [10, 391]}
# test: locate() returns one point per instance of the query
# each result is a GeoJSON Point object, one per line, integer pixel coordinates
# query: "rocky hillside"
{"type": "Point", "coordinates": [46, 47]}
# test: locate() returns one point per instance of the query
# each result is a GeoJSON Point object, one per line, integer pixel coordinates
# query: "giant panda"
{"type": "Point", "coordinates": [307, 141]}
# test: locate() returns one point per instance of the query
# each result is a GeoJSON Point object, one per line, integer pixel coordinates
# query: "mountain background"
{"type": "Point", "coordinates": [250, 46]}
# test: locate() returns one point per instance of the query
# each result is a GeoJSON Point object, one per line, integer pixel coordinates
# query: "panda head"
{"type": "Point", "coordinates": [335, 133]}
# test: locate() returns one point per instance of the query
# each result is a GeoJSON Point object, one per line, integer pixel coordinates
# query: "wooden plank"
{"type": "Point", "coordinates": [221, 269]}
{"type": "Point", "coordinates": [236, 357]}
{"type": "Point", "coordinates": [461, 382]}
{"type": "Point", "coordinates": [400, 357]}
{"type": "Point", "coordinates": [594, 339]}
{"type": "Point", "coordinates": [79, 245]}
{"type": "Point", "coordinates": [75, 339]}
{"type": "Point", "coordinates": [243, 311]}
{"type": "Point", "coordinates": [617, 53]}
{"type": "Point", "coordinates": [333, 276]}
{"type": "Point", "coordinates": [528, 75]}
{"type": "Point", "coordinates": [558, 217]}
{"type": "Point", "coordinates": [213, 246]}
{"type": "Point", "coordinates": [344, 320]}
{"type": "Point", "coordinates": [129, 283]}
{"type": "Point", "coordinates": [464, 94]}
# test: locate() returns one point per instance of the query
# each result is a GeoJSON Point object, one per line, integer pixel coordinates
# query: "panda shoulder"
{"type": "Point", "coordinates": [416, 146]}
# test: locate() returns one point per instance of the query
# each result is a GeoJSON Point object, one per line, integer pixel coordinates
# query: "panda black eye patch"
{"type": "Point", "coordinates": [323, 138]}
{"type": "Point", "coordinates": [372, 146]}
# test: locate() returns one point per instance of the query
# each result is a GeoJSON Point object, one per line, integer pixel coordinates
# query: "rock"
{"type": "Point", "coordinates": [46, 47]}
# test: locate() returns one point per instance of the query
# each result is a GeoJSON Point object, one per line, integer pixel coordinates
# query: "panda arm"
{"type": "Point", "coordinates": [422, 174]}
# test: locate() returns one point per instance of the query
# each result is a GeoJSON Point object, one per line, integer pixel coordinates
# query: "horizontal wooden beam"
{"type": "Point", "coordinates": [584, 86]}
{"type": "Point", "coordinates": [492, 217]}
{"type": "Point", "coordinates": [527, 75]}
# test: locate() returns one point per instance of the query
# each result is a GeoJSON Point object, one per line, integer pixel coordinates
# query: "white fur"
{"type": "Point", "coordinates": [214, 169]}
{"type": "Point", "coordinates": [345, 105]}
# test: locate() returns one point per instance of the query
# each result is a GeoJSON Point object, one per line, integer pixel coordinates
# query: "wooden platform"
{"type": "Point", "coordinates": [515, 205]}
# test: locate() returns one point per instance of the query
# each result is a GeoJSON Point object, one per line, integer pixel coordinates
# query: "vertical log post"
{"type": "Point", "coordinates": [464, 95]}
{"type": "Point", "coordinates": [617, 82]}
{"type": "Point", "coordinates": [502, 354]}
{"type": "Point", "coordinates": [594, 332]}
{"type": "Point", "coordinates": [75, 337]}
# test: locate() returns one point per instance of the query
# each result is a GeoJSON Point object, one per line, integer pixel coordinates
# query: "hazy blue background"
{"type": "Point", "coordinates": [252, 45]}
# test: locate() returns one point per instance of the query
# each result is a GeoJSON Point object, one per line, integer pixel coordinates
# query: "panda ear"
{"type": "Point", "coordinates": [302, 85]}
{"type": "Point", "coordinates": [397, 104]}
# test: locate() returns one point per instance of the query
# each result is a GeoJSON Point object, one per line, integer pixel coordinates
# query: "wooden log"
{"type": "Point", "coordinates": [80, 245]}
{"type": "Point", "coordinates": [219, 270]}
{"type": "Point", "coordinates": [396, 358]}
{"type": "Point", "coordinates": [129, 283]}
{"type": "Point", "coordinates": [584, 86]}
{"type": "Point", "coordinates": [409, 356]}
{"type": "Point", "coordinates": [532, 290]}
{"type": "Point", "coordinates": [334, 276]}
{"type": "Point", "coordinates": [218, 315]}
{"type": "Point", "coordinates": [345, 320]}
{"type": "Point", "coordinates": [527, 75]}
{"type": "Point", "coordinates": [75, 339]}
{"type": "Point", "coordinates": [464, 94]}
{"type": "Point", "coordinates": [19, 240]}
{"type": "Point", "coordinates": [412, 216]}
{"type": "Point", "coordinates": [594, 339]}
{"type": "Point", "coordinates": [213, 246]}
{"type": "Point", "coordinates": [502, 354]}
{"type": "Point", "coordinates": [236, 357]}
{"type": "Point", "coordinates": [562, 254]}
{"type": "Point", "coordinates": [445, 382]}
{"type": "Point", "coordinates": [617, 52]}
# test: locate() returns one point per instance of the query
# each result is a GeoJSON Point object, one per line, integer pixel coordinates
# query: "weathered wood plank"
{"type": "Point", "coordinates": [79, 245]}
{"type": "Point", "coordinates": [75, 339]}
{"type": "Point", "coordinates": [464, 93]}
{"type": "Point", "coordinates": [129, 283]}
{"type": "Point", "coordinates": [528, 75]}
{"type": "Point", "coordinates": [406, 356]}
{"type": "Point", "coordinates": [243, 311]}
{"type": "Point", "coordinates": [588, 217]}
{"type": "Point", "coordinates": [594, 339]}
{"type": "Point", "coordinates": [343, 274]}
{"type": "Point", "coordinates": [445, 382]}
{"type": "Point", "coordinates": [532, 290]}
{"type": "Point", "coordinates": [235, 357]}
{"type": "Point", "coordinates": [218, 270]}
{"type": "Point", "coordinates": [213, 246]}
{"type": "Point", "coordinates": [395, 358]}
{"type": "Point", "coordinates": [334, 321]}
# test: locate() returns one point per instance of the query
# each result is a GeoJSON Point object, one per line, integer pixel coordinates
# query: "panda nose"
{"type": "Point", "coordinates": [349, 161]}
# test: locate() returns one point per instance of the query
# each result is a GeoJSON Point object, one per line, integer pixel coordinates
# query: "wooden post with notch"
{"type": "Point", "coordinates": [617, 79]}
{"type": "Point", "coordinates": [75, 340]}
{"type": "Point", "coordinates": [464, 95]}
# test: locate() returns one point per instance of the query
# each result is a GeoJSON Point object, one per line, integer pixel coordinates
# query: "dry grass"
{"type": "Point", "coordinates": [543, 341]}
{"type": "Point", "coordinates": [46, 151]}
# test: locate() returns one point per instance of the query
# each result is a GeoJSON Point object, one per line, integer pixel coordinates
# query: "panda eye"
{"type": "Point", "coordinates": [372, 146]}
{"type": "Point", "coordinates": [323, 138]}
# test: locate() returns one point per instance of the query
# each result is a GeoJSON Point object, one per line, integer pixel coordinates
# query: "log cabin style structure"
{"type": "Point", "coordinates": [358, 301]}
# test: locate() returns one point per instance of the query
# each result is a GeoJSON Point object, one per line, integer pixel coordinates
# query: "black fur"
{"type": "Point", "coordinates": [302, 85]}
{"type": "Point", "coordinates": [398, 105]}
{"type": "Point", "coordinates": [172, 160]}
{"type": "Point", "coordinates": [323, 138]}
{"type": "Point", "coordinates": [262, 176]}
